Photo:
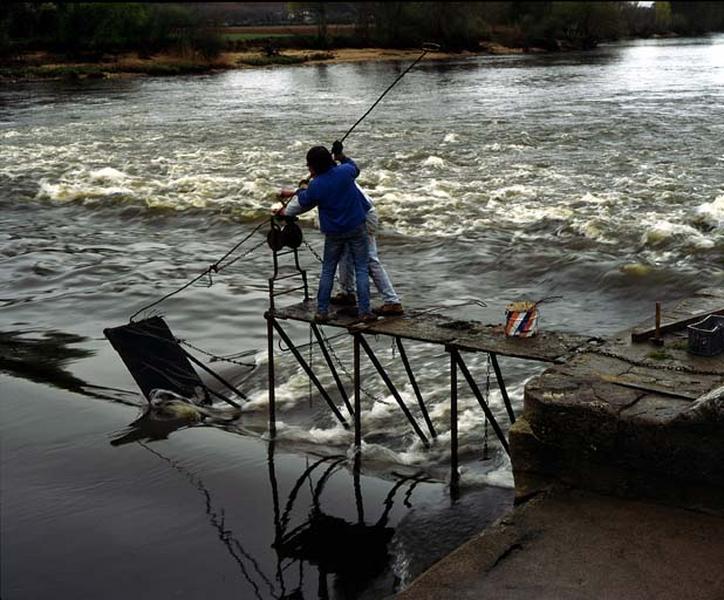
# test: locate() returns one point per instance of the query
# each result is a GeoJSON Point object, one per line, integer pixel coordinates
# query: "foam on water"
{"type": "Point", "coordinates": [434, 161]}
{"type": "Point", "coordinates": [107, 174]}
{"type": "Point", "coordinates": [662, 231]}
{"type": "Point", "coordinates": [712, 212]}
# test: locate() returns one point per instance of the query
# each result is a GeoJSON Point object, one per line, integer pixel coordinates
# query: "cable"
{"type": "Point", "coordinates": [214, 268]}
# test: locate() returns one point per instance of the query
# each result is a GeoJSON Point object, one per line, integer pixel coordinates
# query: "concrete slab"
{"type": "Point", "coordinates": [622, 419]}
{"type": "Point", "coordinates": [577, 545]}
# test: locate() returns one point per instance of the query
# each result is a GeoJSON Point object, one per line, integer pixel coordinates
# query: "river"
{"type": "Point", "coordinates": [597, 177]}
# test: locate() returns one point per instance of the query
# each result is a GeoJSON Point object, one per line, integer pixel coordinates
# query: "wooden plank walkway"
{"type": "Point", "coordinates": [473, 336]}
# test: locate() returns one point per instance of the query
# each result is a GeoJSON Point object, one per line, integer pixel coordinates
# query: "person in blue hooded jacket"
{"type": "Point", "coordinates": [342, 219]}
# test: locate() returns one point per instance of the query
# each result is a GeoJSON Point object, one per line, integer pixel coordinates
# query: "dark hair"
{"type": "Point", "coordinates": [319, 159]}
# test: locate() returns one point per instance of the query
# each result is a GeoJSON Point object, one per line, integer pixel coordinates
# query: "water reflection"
{"type": "Point", "coordinates": [318, 554]}
{"type": "Point", "coordinates": [42, 357]}
{"type": "Point", "coordinates": [352, 552]}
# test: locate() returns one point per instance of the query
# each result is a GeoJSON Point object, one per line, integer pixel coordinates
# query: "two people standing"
{"type": "Point", "coordinates": [348, 220]}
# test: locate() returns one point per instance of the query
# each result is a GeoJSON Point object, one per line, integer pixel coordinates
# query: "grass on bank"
{"type": "Point", "coordinates": [263, 60]}
{"type": "Point", "coordinates": [249, 37]}
{"type": "Point", "coordinates": [160, 66]}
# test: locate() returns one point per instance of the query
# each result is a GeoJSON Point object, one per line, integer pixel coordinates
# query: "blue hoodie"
{"type": "Point", "coordinates": [342, 205]}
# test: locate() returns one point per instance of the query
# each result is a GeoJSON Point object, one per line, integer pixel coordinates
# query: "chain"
{"type": "Point", "coordinates": [214, 356]}
{"type": "Point", "coordinates": [485, 423]}
{"type": "Point", "coordinates": [312, 250]}
{"type": "Point", "coordinates": [649, 365]}
{"type": "Point", "coordinates": [346, 372]}
{"type": "Point", "coordinates": [319, 258]}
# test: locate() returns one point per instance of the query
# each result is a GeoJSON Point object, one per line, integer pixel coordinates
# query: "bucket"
{"type": "Point", "coordinates": [521, 319]}
{"type": "Point", "coordinates": [706, 338]}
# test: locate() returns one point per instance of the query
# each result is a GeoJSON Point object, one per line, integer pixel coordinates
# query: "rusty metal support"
{"type": "Point", "coordinates": [415, 387]}
{"type": "Point", "coordinates": [393, 389]}
{"type": "Point", "coordinates": [486, 409]}
{"type": "Point", "coordinates": [310, 373]}
{"type": "Point", "coordinates": [218, 378]}
{"type": "Point", "coordinates": [454, 475]}
{"type": "Point", "coordinates": [357, 394]}
{"type": "Point", "coordinates": [272, 382]}
{"type": "Point", "coordinates": [501, 385]}
{"type": "Point", "coordinates": [330, 364]}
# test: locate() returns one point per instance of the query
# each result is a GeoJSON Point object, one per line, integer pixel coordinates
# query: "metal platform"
{"type": "Point", "coordinates": [472, 336]}
{"type": "Point", "coordinates": [425, 326]}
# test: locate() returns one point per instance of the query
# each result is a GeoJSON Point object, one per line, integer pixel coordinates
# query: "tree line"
{"type": "Point", "coordinates": [77, 28]}
{"type": "Point", "coordinates": [82, 28]}
{"type": "Point", "coordinates": [549, 25]}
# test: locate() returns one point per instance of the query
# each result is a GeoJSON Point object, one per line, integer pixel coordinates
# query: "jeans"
{"type": "Point", "coordinates": [357, 245]}
{"type": "Point", "coordinates": [376, 270]}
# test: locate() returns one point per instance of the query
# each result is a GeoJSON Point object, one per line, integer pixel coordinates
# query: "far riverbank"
{"type": "Point", "coordinates": [45, 65]}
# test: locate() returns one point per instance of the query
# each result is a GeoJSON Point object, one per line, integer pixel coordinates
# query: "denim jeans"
{"type": "Point", "coordinates": [376, 270]}
{"type": "Point", "coordinates": [356, 243]}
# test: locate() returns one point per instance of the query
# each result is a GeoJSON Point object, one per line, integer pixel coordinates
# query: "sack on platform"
{"type": "Point", "coordinates": [521, 319]}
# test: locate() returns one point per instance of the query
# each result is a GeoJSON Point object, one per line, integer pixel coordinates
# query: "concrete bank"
{"type": "Point", "coordinates": [572, 544]}
{"type": "Point", "coordinates": [618, 461]}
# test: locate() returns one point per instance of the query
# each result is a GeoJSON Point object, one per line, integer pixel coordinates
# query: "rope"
{"type": "Point", "coordinates": [216, 267]}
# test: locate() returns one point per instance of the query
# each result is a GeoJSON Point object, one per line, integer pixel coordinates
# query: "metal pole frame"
{"type": "Point", "coordinates": [272, 381]}
{"type": "Point", "coordinates": [330, 364]}
{"type": "Point", "coordinates": [310, 373]}
{"type": "Point", "coordinates": [393, 389]}
{"type": "Point", "coordinates": [357, 394]}
{"type": "Point", "coordinates": [486, 409]}
{"type": "Point", "coordinates": [415, 387]}
{"type": "Point", "coordinates": [454, 475]}
{"type": "Point", "coordinates": [501, 386]}
{"type": "Point", "coordinates": [219, 378]}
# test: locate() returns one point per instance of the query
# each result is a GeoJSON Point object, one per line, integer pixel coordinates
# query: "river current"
{"type": "Point", "coordinates": [597, 177]}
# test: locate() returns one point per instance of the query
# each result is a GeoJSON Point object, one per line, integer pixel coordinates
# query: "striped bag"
{"type": "Point", "coordinates": [521, 319]}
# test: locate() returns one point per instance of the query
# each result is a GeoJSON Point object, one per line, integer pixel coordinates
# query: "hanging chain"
{"type": "Point", "coordinates": [312, 250]}
{"type": "Point", "coordinates": [214, 357]}
{"type": "Point", "coordinates": [486, 397]}
{"type": "Point", "coordinates": [649, 365]}
{"type": "Point", "coordinates": [346, 372]}
{"type": "Point", "coordinates": [320, 260]}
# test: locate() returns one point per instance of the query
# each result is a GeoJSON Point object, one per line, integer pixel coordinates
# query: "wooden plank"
{"type": "Point", "coordinates": [641, 336]}
{"type": "Point", "coordinates": [472, 336]}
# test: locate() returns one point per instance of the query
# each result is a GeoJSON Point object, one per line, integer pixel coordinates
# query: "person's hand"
{"type": "Point", "coordinates": [277, 209]}
{"type": "Point", "coordinates": [304, 183]}
{"type": "Point", "coordinates": [286, 193]}
{"type": "Point", "coordinates": [337, 149]}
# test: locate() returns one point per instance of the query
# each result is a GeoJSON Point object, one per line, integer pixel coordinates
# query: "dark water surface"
{"type": "Point", "coordinates": [594, 176]}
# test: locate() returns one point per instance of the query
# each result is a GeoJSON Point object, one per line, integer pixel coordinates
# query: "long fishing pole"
{"type": "Point", "coordinates": [427, 47]}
